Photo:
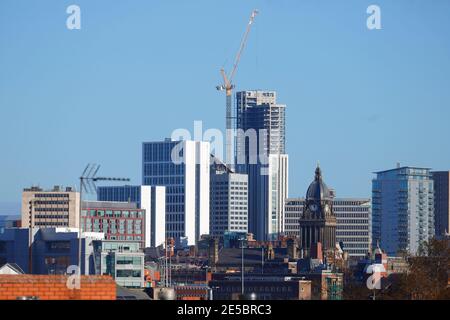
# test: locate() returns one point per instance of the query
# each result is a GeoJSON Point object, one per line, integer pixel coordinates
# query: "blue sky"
{"type": "Point", "coordinates": [358, 100]}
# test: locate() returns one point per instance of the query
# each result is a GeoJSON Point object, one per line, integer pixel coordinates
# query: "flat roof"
{"type": "Point", "coordinates": [399, 168]}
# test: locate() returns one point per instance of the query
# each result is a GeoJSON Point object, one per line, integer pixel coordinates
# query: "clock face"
{"type": "Point", "coordinates": [313, 207]}
{"type": "Point", "coordinates": [327, 208]}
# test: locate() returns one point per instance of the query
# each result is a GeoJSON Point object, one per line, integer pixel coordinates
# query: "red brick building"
{"type": "Point", "coordinates": [117, 220]}
{"type": "Point", "coordinates": [54, 287]}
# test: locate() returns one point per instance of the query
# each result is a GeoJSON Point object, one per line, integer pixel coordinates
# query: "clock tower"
{"type": "Point", "coordinates": [318, 222]}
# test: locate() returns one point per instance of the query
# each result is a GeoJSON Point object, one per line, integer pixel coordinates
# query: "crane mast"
{"type": "Point", "coordinates": [228, 86]}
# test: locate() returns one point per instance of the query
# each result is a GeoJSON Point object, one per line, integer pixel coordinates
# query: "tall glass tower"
{"type": "Point", "coordinates": [261, 154]}
{"type": "Point", "coordinates": [402, 209]}
{"type": "Point", "coordinates": [183, 168]}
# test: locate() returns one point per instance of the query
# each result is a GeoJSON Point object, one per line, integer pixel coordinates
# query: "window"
{"type": "Point", "coordinates": [128, 273]}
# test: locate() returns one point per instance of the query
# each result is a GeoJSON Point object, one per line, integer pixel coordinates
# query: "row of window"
{"type": "Point", "coordinates": [111, 213]}
{"type": "Point", "coordinates": [46, 209]}
{"type": "Point", "coordinates": [51, 195]}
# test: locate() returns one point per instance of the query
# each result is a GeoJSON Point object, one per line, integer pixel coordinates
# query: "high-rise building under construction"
{"type": "Point", "coordinates": [261, 153]}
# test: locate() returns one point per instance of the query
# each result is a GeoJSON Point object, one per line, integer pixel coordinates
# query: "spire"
{"type": "Point", "coordinates": [318, 175]}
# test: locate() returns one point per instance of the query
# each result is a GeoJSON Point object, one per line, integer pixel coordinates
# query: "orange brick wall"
{"type": "Point", "coordinates": [53, 287]}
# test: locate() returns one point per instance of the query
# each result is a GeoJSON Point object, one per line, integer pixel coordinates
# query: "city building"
{"type": "Point", "coordinates": [326, 284]}
{"type": "Point", "coordinates": [441, 181]}
{"type": "Point", "coordinates": [233, 239]}
{"type": "Point", "coordinates": [14, 247]}
{"type": "Point", "coordinates": [55, 249]}
{"type": "Point", "coordinates": [123, 260]}
{"type": "Point", "coordinates": [229, 200]}
{"type": "Point", "coordinates": [150, 198]}
{"type": "Point", "coordinates": [353, 223]}
{"type": "Point", "coordinates": [192, 292]}
{"type": "Point", "coordinates": [52, 250]}
{"type": "Point", "coordinates": [10, 221]}
{"type": "Point", "coordinates": [58, 207]}
{"type": "Point", "coordinates": [183, 168]}
{"type": "Point", "coordinates": [263, 287]}
{"type": "Point", "coordinates": [318, 221]}
{"type": "Point", "coordinates": [261, 154]}
{"type": "Point", "coordinates": [402, 209]}
{"type": "Point", "coordinates": [116, 220]}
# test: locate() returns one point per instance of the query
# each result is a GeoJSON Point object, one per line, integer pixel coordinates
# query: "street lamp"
{"type": "Point", "coordinates": [242, 265]}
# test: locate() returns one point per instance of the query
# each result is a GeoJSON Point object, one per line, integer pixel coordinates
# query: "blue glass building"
{"type": "Point", "coordinates": [402, 209]}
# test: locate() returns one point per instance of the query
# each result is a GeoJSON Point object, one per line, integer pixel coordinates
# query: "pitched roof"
{"type": "Point", "coordinates": [13, 267]}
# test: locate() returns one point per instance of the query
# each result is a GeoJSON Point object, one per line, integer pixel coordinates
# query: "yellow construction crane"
{"type": "Point", "coordinates": [228, 87]}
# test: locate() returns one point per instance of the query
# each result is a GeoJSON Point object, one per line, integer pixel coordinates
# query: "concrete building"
{"type": "Point", "coordinates": [58, 207]}
{"type": "Point", "coordinates": [353, 223]}
{"type": "Point", "coordinates": [150, 198]}
{"type": "Point", "coordinates": [261, 154]}
{"type": "Point", "coordinates": [354, 220]}
{"type": "Point", "coordinates": [229, 200]}
{"type": "Point", "coordinates": [123, 260]}
{"type": "Point", "coordinates": [441, 202]}
{"type": "Point", "coordinates": [116, 220]}
{"type": "Point", "coordinates": [183, 168]}
{"type": "Point", "coordinates": [402, 209]}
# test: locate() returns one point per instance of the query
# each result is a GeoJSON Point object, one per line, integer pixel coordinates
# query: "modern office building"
{"type": "Point", "coordinates": [183, 168]}
{"type": "Point", "coordinates": [58, 207]}
{"type": "Point", "coordinates": [402, 209]}
{"type": "Point", "coordinates": [55, 249]}
{"type": "Point", "coordinates": [353, 223]}
{"type": "Point", "coordinates": [52, 250]}
{"type": "Point", "coordinates": [261, 154]}
{"type": "Point", "coordinates": [123, 260]}
{"type": "Point", "coordinates": [229, 200]}
{"type": "Point", "coordinates": [116, 220]}
{"type": "Point", "coordinates": [441, 202]}
{"type": "Point", "coordinates": [150, 198]}
{"type": "Point", "coordinates": [14, 247]}
{"type": "Point", "coordinates": [10, 221]}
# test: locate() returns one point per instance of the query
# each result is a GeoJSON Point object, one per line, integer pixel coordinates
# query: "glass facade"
{"type": "Point", "coordinates": [261, 119]}
{"type": "Point", "coordinates": [159, 170]}
{"type": "Point", "coordinates": [186, 182]}
{"type": "Point", "coordinates": [403, 209]}
{"type": "Point", "coordinates": [123, 260]}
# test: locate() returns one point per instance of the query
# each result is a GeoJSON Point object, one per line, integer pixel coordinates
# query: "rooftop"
{"type": "Point", "coordinates": [400, 168]}
{"type": "Point", "coordinates": [109, 205]}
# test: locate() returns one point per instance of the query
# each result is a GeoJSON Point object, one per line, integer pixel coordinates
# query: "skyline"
{"type": "Point", "coordinates": [118, 70]}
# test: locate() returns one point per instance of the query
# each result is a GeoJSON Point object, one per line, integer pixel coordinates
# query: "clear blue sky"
{"type": "Point", "coordinates": [358, 100]}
